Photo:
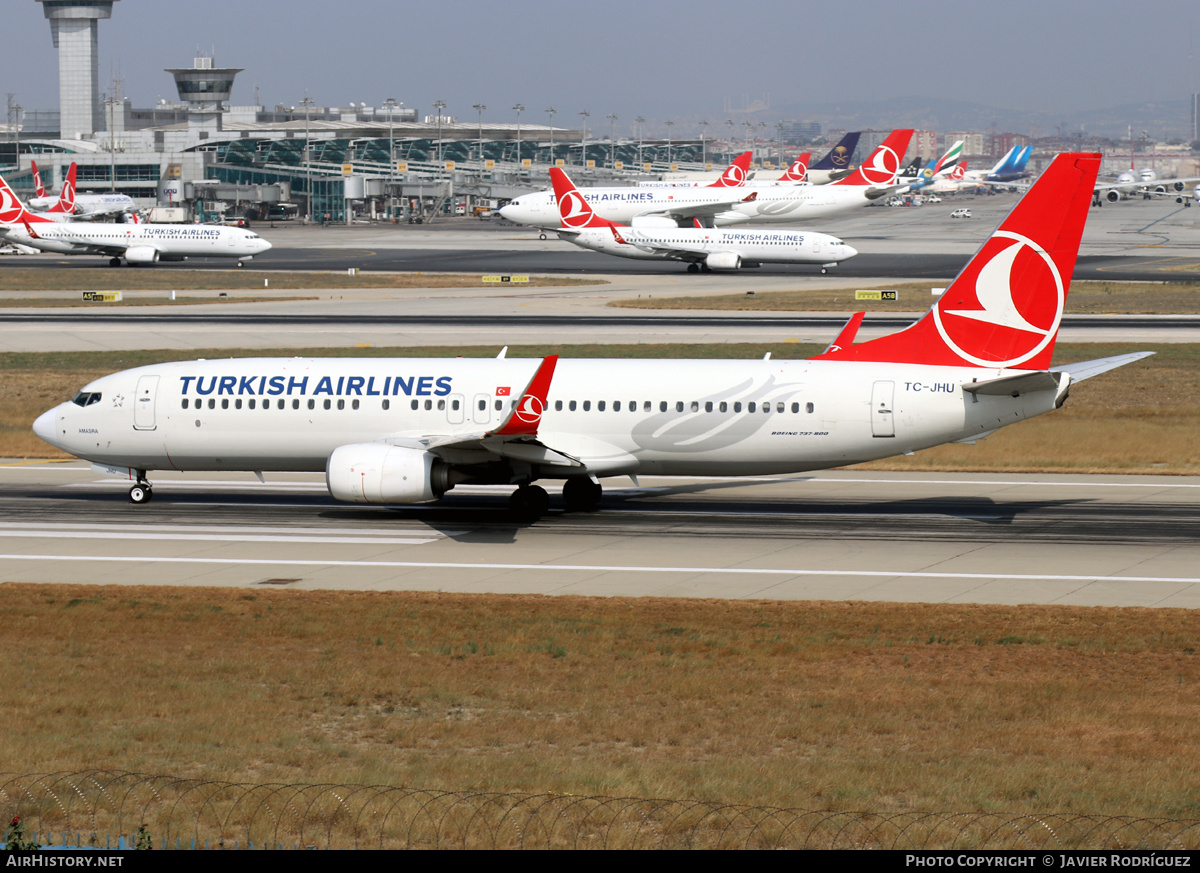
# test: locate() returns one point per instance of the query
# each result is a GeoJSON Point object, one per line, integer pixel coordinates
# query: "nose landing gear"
{"type": "Point", "coordinates": [141, 492]}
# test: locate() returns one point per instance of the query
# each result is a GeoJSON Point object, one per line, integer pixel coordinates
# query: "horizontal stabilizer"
{"type": "Point", "coordinates": [1022, 383]}
{"type": "Point", "coordinates": [1088, 369]}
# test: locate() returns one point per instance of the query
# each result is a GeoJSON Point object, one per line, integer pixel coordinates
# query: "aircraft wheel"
{"type": "Point", "coordinates": [824, 270]}
{"type": "Point", "coordinates": [581, 493]}
{"type": "Point", "coordinates": [140, 493]}
{"type": "Point", "coordinates": [240, 264]}
{"type": "Point", "coordinates": [541, 236]}
{"type": "Point", "coordinates": [529, 502]}
{"type": "Point", "coordinates": [693, 268]}
{"type": "Point", "coordinates": [114, 262]}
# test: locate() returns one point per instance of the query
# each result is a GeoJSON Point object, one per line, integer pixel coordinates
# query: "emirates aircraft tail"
{"type": "Point", "coordinates": [574, 212]}
{"type": "Point", "coordinates": [736, 173]}
{"type": "Point", "coordinates": [798, 171]}
{"type": "Point", "coordinates": [1003, 310]}
{"type": "Point", "coordinates": [883, 165]}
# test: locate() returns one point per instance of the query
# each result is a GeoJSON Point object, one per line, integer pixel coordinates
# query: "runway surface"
{"type": "Point", "coordinates": [846, 535]}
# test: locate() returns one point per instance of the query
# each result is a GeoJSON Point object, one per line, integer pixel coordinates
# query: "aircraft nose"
{"type": "Point", "coordinates": [46, 427]}
{"type": "Point", "coordinates": [848, 251]}
{"type": "Point", "coordinates": [263, 245]}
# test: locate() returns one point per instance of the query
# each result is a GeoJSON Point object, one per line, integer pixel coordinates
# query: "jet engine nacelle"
{"type": "Point", "coordinates": [652, 221]}
{"type": "Point", "coordinates": [141, 255]}
{"type": "Point", "coordinates": [724, 261]}
{"type": "Point", "coordinates": [1112, 195]}
{"type": "Point", "coordinates": [1179, 186]}
{"type": "Point", "coordinates": [379, 473]}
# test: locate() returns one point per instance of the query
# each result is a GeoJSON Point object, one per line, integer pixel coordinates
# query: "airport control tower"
{"type": "Point", "coordinates": [204, 87]}
{"type": "Point", "coordinates": [73, 26]}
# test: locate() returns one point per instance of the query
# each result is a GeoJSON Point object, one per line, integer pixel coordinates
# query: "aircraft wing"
{"type": "Point", "coordinates": [704, 210]}
{"type": "Point", "coordinates": [1088, 369]}
{"type": "Point", "coordinates": [671, 250]}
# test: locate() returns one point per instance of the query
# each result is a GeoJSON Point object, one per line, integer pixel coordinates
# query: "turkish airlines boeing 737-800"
{"type": "Point", "coordinates": [405, 431]}
{"type": "Point", "coordinates": [136, 243]}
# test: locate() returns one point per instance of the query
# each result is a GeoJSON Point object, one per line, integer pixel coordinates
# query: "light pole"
{"type": "Point", "coordinates": [703, 142]}
{"type": "Point", "coordinates": [519, 108]}
{"type": "Point", "coordinates": [729, 135]}
{"type": "Point", "coordinates": [670, 125]}
{"type": "Point", "coordinates": [308, 104]}
{"type": "Point", "coordinates": [749, 139]}
{"type": "Point", "coordinates": [551, 112]}
{"type": "Point", "coordinates": [639, 121]}
{"type": "Point", "coordinates": [390, 103]}
{"type": "Point", "coordinates": [439, 105]}
{"type": "Point", "coordinates": [479, 107]}
{"type": "Point", "coordinates": [585, 115]}
{"type": "Point", "coordinates": [779, 143]}
{"type": "Point", "coordinates": [612, 142]}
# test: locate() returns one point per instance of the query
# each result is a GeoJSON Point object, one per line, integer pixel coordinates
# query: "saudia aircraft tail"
{"type": "Point", "coordinates": [883, 166]}
{"type": "Point", "coordinates": [735, 174]}
{"type": "Point", "coordinates": [574, 212]}
{"type": "Point", "coordinates": [1004, 308]}
{"type": "Point", "coordinates": [840, 155]}
{"type": "Point", "coordinates": [798, 171]}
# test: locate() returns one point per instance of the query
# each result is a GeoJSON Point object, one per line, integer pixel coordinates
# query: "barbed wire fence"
{"type": "Point", "coordinates": [94, 807]}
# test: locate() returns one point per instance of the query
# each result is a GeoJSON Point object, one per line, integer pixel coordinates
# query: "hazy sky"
{"type": "Point", "coordinates": [662, 59]}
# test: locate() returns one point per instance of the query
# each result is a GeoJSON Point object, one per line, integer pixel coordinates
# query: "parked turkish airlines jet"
{"type": "Point", "coordinates": [714, 207]}
{"type": "Point", "coordinates": [403, 431]}
{"type": "Point", "coordinates": [797, 172]}
{"type": "Point", "coordinates": [70, 203]}
{"type": "Point", "coordinates": [735, 176]}
{"type": "Point", "coordinates": [136, 243]}
{"type": "Point", "coordinates": [700, 248]}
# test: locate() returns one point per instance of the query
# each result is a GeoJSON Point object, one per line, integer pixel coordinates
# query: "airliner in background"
{"type": "Point", "coordinates": [936, 169]}
{"type": "Point", "coordinates": [408, 430]}
{"type": "Point", "coordinates": [837, 163]}
{"type": "Point", "coordinates": [735, 176]}
{"type": "Point", "coordinates": [1146, 184]}
{"type": "Point", "coordinates": [136, 243]}
{"type": "Point", "coordinates": [1009, 168]}
{"type": "Point", "coordinates": [720, 207]}
{"type": "Point", "coordinates": [700, 248]}
{"type": "Point", "coordinates": [71, 204]}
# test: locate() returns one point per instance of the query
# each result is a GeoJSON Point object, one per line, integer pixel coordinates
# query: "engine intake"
{"type": "Point", "coordinates": [723, 261]}
{"type": "Point", "coordinates": [379, 473]}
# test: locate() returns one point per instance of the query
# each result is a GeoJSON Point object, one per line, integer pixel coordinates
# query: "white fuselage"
{"type": "Point", "coordinates": [170, 241]}
{"type": "Point", "coordinates": [90, 204]}
{"type": "Point", "coordinates": [753, 247]}
{"type": "Point", "coordinates": [689, 417]}
{"type": "Point", "coordinates": [771, 204]}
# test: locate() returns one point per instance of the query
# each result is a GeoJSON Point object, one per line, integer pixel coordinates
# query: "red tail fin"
{"type": "Point", "coordinates": [882, 167]}
{"type": "Point", "coordinates": [66, 199]}
{"type": "Point", "coordinates": [735, 174]}
{"type": "Point", "coordinates": [574, 212]}
{"type": "Point", "coordinates": [798, 171]}
{"type": "Point", "coordinates": [1004, 308]}
{"type": "Point", "coordinates": [38, 188]}
{"type": "Point", "coordinates": [12, 211]}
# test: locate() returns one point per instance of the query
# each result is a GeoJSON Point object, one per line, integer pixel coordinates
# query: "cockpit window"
{"type": "Point", "coordinates": [86, 398]}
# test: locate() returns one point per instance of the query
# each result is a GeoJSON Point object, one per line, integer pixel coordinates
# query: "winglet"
{"type": "Point", "coordinates": [1004, 309]}
{"type": "Point", "coordinates": [525, 416]}
{"type": "Point", "coordinates": [845, 339]}
{"type": "Point", "coordinates": [735, 174]}
{"type": "Point", "coordinates": [751, 197]}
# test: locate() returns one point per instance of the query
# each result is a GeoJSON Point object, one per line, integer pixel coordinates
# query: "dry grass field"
{"type": "Point", "coordinates": [1085, 297]}
{"type": "Point", "coordinates": [818, 705]}
{"type": "Point", "coordinates": [1143, 418]}
{"type": "Point", "coordinates": [36, 281]}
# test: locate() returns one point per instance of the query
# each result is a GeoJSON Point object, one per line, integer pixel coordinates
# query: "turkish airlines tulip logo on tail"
{"type": "Point", "coordinates": [1017, 304]}
{"type": "Point", "coordinates": [529, 410]}
{"type": "Point", "coordinates": [10, 207]}
{"type": "Point", "coordinates": [882, 168]}
{"type": "Point", "coordinates": [797, 171]}
{"type": "Point", "coordinates": [734, 176]}
{"type": "Point", "coordinates": [67, 198]}
{"type": "Point", "coordinates": [574, 210]}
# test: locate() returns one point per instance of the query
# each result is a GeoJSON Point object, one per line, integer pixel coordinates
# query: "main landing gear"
{"type": "Point", "coordinates": [114, 262]}
{"type": "Point", "coordinates": [530, 502]}
{"type": "Point", "coordinates": [141, 492]}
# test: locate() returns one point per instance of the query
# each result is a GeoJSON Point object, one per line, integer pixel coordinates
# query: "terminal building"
{"type": "Point", "coordinates": [209, 157]}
